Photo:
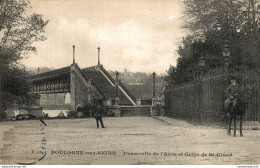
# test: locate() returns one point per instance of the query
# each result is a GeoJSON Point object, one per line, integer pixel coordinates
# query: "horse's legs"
{"type": "Point", "coordinates": [241, 120]}
{"type": "Point", "coordinates": [226, 121]}
{"type": "Point", "coordinates": [235, 126]}
{"type": "Point", "coordinates": [222, 121]}
{"type": "Point", "coordinates": [229, 126]}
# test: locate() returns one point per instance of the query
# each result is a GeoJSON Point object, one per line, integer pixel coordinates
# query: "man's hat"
{"type": "Point", "coordinates": [236, 79]}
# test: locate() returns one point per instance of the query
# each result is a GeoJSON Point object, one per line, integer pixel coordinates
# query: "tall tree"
{"type": "Point", "coordinates": [234, 21]}
{"type": "Point", "coordinates": [18, 32]}
{"type": "Point", "coordinates": [204, 15]}
{"type": "Point", "coordinates": [212, 23]}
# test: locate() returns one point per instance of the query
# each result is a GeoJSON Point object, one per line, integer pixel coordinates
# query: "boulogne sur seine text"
{"type": "Point", "coordinates": [72, 152]}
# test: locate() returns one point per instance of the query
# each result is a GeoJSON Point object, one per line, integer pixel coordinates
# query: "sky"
{"type": "Point", "coordinates": [140, 35]}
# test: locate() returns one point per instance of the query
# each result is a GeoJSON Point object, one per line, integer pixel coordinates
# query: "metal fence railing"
{"type": "Point", "coordinates": [203, 101]}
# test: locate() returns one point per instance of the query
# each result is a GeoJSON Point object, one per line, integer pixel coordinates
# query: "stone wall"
{"type": "Point", "coordinates": [54, 101]}
{"type": "Point", "coordinates": [82, 91]}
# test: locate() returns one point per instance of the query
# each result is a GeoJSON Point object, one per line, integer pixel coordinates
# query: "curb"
{"type": "Point", "coordinates": [172, 123]}
{"type": "Point", "coordinates": [255, 128]}
{"type": "Point", "coordinates": [163, 120]}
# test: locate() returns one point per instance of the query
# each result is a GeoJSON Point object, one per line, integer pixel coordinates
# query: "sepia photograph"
{"type": "Point", "coordinates": [130, 82]}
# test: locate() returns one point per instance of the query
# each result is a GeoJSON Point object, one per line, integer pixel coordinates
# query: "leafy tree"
{"type": "Point", "coordinates": [212, 24]}
{"type": "Point", "coordinates": [171, 77]}
{"type": "Point", "coordinates": [203, 15]}
{"type": "Point", "coordinates": [15, 86]}
{"type": "Point", "coordinates": [189, 52]}
{"type": "Point", "coordinates": [18, 32]}
{"type": "Point", "coordinates": [217, 21]}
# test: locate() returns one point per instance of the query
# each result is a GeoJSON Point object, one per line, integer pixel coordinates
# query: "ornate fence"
{"type": "Point", "coordinates": [203, 101]}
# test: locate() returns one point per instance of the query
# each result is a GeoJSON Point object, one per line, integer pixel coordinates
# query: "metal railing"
{"type": "Point", "coordinates": [120, 84]}
{"type": "Point", "coordinates": [108, 75]}
{"type": "Point", "coordinates": [127, 91]}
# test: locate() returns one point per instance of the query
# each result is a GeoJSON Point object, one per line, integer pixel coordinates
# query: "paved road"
{"type": "Point", "coordinates": [126, 140]}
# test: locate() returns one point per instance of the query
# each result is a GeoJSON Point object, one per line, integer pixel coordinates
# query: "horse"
{"type": "Point", "coordinates": [232, 110]}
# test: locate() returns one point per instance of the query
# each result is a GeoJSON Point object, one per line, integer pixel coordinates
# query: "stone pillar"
{"type": "Point", "coordinates": [117, 111]}
{"type": "Point", "coordinates": [117, 100]}
{"type": "Point", "coordinates": [73, 88]}
{"type": "Point", "coordinates": [98, 56]}
{"type": "Point", "coordinates": [117, 83]}
{"type": "Point", "coordinates": [139, 102]}
{"type": "Point", "coordinates": [98, 67]}
{"type": "Point", "coordinates": [73, 54]}
{"type": "Point", "coordinates": [109, 102]}
{"type": "Point", "coordinates": [37, 101]}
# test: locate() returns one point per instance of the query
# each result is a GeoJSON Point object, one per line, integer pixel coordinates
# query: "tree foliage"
{"type": "Point", "coordinates": [212, 23]}
{"type": "Point", "coordinates": [18, 32]}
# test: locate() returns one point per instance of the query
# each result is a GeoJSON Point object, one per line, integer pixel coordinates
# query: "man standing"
{"type": "Point", "coordinates": [98, 112]}
{"type": "Point", "coordinates": [159, 105]}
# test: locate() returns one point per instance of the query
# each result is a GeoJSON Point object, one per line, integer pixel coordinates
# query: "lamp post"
{"type": "Point", "coordinates": [117, 83]}
{"type": "Point", "coordinates": [226, 51]}
{"type": "Point", "coordinates": [154, 84]}
{"type": "Point", "coordinates": [226, 55]}
{"type": "Point", "coordinates": [202, 63]}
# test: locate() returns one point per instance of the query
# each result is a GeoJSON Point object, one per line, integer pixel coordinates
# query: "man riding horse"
{"type": "Point", "coordinates": [234, 105]}
{"type": "Point", "coordinates": [231, 92]}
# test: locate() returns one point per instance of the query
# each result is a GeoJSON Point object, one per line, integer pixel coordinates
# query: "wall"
{"type": "Point", "coordinates": [82, 92]}
{"type": "Point", "coordinates": [144, 91]}
{"type": "Point", "coordinates": [135, 111]}
{"type": "Point", "coordinates": [54, 101]}
{"type": "Point", "coordinates": [83, 96]}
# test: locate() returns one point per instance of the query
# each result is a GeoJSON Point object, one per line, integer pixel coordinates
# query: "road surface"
{"type": "Point", "coordinates": [125, 140]}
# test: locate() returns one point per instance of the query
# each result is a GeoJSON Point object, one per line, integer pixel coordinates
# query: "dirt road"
{"type": "Point", "coordinates": [125, 140]}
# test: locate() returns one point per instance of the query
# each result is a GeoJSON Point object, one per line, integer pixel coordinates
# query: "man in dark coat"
{"type": "Point", "coordinates": [159, 105]}
{"type": "Point", "coordinates": [231, 93]}
{"type": "Point", "coordinates": [98, 112]}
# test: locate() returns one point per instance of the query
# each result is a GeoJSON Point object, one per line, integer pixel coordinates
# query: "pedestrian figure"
{"type": "Point", "coordinates": [158, 106]}
{"type": "Point", "coordinates": [98, 112]}
{"type": "Point", "coordinates": [61, 114]}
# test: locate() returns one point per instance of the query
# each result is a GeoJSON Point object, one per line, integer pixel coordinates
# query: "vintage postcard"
{"type": "Point", "coordinates": [130, 82]}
